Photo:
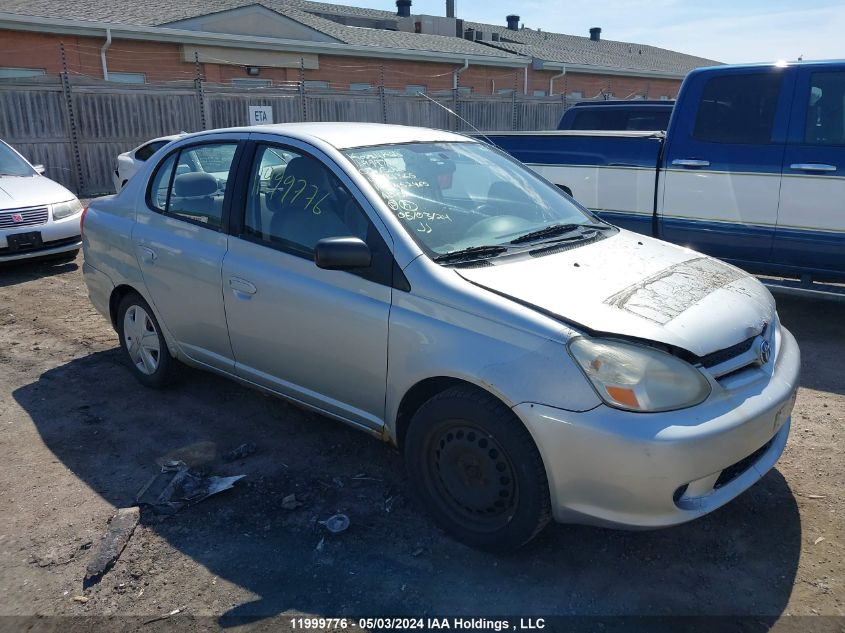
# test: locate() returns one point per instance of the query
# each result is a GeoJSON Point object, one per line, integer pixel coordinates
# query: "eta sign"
{"type": "Point", "coordinates": [260, 115]}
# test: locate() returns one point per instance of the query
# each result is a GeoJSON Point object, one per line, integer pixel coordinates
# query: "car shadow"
{"type": "Point", "coordinates": [21, 271]}
{"type": "Point", "coordinates": [816, 324]}
{"type": "Point", "coordinates": [109, 431]}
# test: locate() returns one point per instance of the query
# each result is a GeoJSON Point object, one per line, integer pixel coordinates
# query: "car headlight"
{"type": "Point", "coordinates": [66, 209]}
{"type": "Point", "coordinates": [638, 378]}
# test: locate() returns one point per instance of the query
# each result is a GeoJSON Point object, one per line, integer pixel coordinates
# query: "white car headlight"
{"type": "Point", "coordinates": [64, 210]}
{"type": "Point", "coordinates": [638, 378]}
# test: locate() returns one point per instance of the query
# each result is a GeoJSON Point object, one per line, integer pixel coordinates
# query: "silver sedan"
{"type": "Point", "coordinates": [531, 361]}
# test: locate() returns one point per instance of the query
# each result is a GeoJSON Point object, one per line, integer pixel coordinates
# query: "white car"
{"type": "Point", "coordinates": [38, 217]}
{"type": "Point", "coordinates": [130, 162]}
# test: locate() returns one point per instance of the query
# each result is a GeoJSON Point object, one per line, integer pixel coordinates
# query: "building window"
{"type": "Point", "coordinates": [539, 93]}
{"type": "Point", "coordinates": [464, 91]}
{"type": "Point", "coordinates": [15, 73]}
{"type": "Point", "coordinates": [504, 91]}
{"type": "Point", "coordinates": [128, 78]}
{"type": "Point", "coordinates": [576, 94]}
{"type": "Point", "coordinates": [242, 82]}
{"type": "Point", "coordinates": [316, 83]}
{"type": "Point", "coordinates": [361, 87]}
{"type": "Point", "coordinates": [664, 98]}
{"type": "Point", "coordinates": [414, 89]}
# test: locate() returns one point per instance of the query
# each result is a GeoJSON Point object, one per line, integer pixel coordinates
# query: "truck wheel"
{"type": "Point", "coordinates": [143, 342]}
{"type": "Point", "coordinates": [477, 470]}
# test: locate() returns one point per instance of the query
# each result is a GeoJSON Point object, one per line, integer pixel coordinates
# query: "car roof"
{"type": "Point", "coordinates": [348, 135]}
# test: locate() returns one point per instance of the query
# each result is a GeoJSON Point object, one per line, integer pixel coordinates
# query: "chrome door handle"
{"type": "Point", "coordinates": [148, 255]}
{"type": "Point", "coordinates": [242, 286]}
{"type": "Point", "coordinates": [812, 167]}
{"type": "Point", "coordinates": [690, 162]}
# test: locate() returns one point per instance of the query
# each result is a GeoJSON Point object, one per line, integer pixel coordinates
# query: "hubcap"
{"type": "Point", "coordinates": [474, 475]}
{"type": "Point", "coordinates": [141, 340]}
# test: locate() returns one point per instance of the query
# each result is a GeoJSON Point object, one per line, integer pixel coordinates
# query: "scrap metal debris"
{"type": "Point", "coordinates": [176, 487]}
{"type": "Point", "coordinates": [120, 529]}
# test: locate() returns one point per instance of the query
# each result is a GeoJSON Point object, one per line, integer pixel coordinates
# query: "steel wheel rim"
{"type": "Point", "coordinates": [141, 339]}
{"type": "Point", "coordinates": [473, 475]}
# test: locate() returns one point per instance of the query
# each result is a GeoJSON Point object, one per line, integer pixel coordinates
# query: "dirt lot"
{"type": "Point", "coordinates": [79, 437]}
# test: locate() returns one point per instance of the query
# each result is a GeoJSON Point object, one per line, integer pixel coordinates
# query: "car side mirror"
{"type": "Point", "coordinates": [342, 253]}
{"type": "Point", "coordinates": [40, 169]}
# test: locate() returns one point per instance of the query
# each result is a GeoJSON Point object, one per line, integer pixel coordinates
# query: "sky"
{"type": "Point", "coordinates": [732, 31]}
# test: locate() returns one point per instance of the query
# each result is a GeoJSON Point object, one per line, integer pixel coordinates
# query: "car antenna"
{"type": "Point", "coordinates": [450, 111]}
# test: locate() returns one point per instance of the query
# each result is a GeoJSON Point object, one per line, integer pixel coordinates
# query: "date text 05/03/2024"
{"type": "Point", "coordinates": [410, 624]}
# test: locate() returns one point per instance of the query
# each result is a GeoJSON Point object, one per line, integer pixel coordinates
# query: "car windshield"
{"type": "Point", "coordinates": [11, 164]}
{"type": "Point", "coordinates": [459, 196]}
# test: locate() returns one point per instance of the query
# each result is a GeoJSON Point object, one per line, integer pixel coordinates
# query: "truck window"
{"type": "Point", "coordinates": [738, 108]}
{"type": "Point", "coordinates": [826, 109]}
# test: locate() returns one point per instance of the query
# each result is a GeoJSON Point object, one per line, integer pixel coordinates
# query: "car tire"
{"type": "Point", "coordinates": [477, 470]}
{"type": "Point", "coordinates": [143, 343]}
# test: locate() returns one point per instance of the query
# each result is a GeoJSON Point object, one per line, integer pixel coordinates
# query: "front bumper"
{"type": "Point", "coordinates": [645, 470]}
{"type": "Point", "coordinates": [57, 236]}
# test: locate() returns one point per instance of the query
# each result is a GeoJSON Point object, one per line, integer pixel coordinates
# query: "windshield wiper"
{"type": "Point", "coordinates": [471, 253]}
{"type": "Point", "coordinates": [554, 230]}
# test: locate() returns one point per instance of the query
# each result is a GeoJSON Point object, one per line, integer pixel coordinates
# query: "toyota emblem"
{"type": "Point", "coordinates": [17, 217]}
{"type": "Point", "coordinates": [765, 352]}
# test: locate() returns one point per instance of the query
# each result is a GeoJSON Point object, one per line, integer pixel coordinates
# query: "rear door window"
{"type": "Point", "coordinates": [191, 184]}
{"type": "Point", "coordinates": [738, 108]}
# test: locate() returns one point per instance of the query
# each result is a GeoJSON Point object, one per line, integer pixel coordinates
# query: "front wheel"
{"type": "Point", "coordinates": [143, 342]}
{"type": "Point", "coordinates": [478, 470]}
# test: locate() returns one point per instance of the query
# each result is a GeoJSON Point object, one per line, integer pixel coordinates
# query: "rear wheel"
{"type": "Point", "coordinates": [478, 470]}
{"type": "Point", "coordinates": [143, 342]}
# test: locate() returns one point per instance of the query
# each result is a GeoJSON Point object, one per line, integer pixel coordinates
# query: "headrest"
{"type": "Point", "coordinates": [195, 184]}
{"type": "Point", "coordinates": [310, 170]}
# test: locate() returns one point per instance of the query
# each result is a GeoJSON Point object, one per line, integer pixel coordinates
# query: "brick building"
{"type": "Point", "coordinates": [273, 42]}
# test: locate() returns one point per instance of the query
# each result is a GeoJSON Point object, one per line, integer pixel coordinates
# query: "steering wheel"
{"type": "Point", "coordinates": [499, 225]}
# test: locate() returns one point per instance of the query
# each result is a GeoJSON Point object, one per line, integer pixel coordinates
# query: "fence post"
{"type": "Point", "coordinates": [454, 117]}
{"type": "Point", "coordinates": [71, 123]}
{"type": "Point", "coordinates": [381, 95]}
{"type": "Point", "coordinates": [303, 101]}
{"type": "Point", "coordinates": [200, 92]}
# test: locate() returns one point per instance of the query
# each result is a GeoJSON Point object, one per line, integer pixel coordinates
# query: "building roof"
{"type": "Point", "coordinates": [573, 49]}
{"type": "Point", "coordinates": [154, 13]}
{"type": "Point", "coordinates": [546, 48]}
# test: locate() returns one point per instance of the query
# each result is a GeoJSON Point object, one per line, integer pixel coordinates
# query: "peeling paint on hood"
{"type": "Point", "coordinates": [637, 286]}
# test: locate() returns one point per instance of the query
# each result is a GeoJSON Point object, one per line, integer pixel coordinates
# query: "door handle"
{"type": "Point", "coordinates": [242, 286]}
{"type": "Point", "coordinates": [690, 162]}
{"type": "Point", "coordinates": [812, 167]}
{"type": "Point", "coordinates": [148, 255]}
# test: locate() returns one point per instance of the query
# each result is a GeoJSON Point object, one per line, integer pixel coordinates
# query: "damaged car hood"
{"type": "Point", "coordinates": [636, 286]}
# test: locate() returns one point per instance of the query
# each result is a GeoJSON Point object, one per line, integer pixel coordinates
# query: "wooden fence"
{"type": "Point", "coordinates": [76, 126]}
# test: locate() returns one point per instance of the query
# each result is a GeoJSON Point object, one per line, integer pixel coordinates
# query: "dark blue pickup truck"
{"type": "Point", "coordinates": [751, 168]}
{"type": "Point", "coordinates": [617, 115]}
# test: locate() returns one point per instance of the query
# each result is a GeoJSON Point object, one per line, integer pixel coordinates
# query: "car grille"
{"type": "Point", "coordinates": [29, 217]}
{"type": "Point", "coordinates": [717, 358]}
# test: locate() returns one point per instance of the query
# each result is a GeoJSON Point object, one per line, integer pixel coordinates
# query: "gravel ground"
{"type": "Point", "coordinates": [79, 437]}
